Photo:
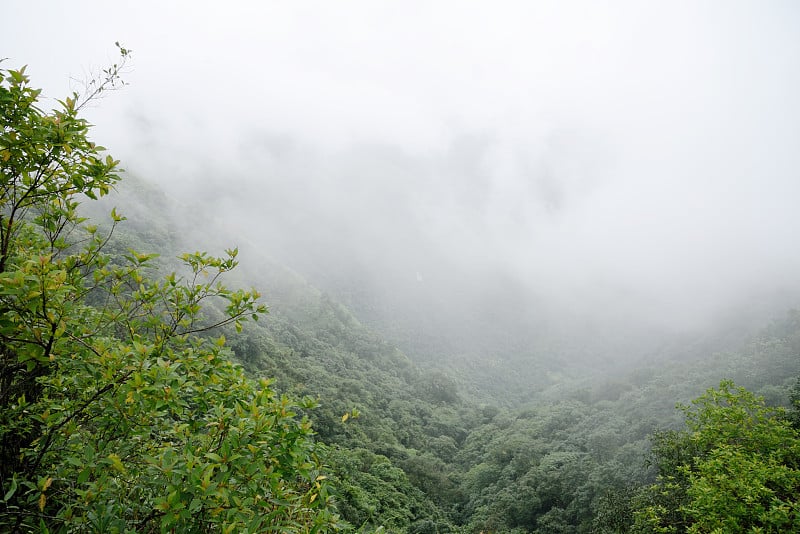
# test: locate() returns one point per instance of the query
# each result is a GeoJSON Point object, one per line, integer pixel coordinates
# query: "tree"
{"type": "Point", "coordinates": [119, 407]}
{"type": "Point", "coordinates": [736, 468]}
{"type": "Point", "coordinates": [794, 409]}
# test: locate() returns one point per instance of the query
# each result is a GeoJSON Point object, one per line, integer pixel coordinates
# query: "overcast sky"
{"type": "Point", "coordinates": [629, 153]}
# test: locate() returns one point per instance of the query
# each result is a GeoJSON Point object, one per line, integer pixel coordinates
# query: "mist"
{"type": "Point", "coordinates": [460, 170]}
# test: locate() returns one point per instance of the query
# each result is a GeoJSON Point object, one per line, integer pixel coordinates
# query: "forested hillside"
{"type": "Point", "coordinates": [139, 393]}
{"type": "Point", "coordinates": [424, 455]}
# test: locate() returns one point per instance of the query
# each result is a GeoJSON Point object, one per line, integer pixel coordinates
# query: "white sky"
{"type": "Point", "coordinates": [639, 148]}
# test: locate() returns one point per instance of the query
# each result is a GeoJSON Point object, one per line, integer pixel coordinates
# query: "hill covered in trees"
{"type": "Point", "coordinates": [140, 393]}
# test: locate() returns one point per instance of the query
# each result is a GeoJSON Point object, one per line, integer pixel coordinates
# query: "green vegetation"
{"type": "Point", "coordinates": [139, 393]}
{"type": "Point", "coordinates": [735, 469]}
{"type": "Point", "coordinates": [115, 414]}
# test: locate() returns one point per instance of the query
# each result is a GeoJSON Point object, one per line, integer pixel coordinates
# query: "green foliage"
{"type": "Point", "coordinates": [735, 469]}
{"type": "Point", "coordinates": [563, 462]}
{"type": "Point", "coordinates": [381, 475]}
{"type": "Point", "coordinates": [116, 414]}
{"type": "Point", "coordinates": [122, 412]}
{"type": "Point", "coordinates": [614, 512]}
{"type": "Point", "coordinates": [373, 493]}
{"type": "Point", "coordinates": [569, 460]}
{"type": "Point", "coordinates": [794, 409]}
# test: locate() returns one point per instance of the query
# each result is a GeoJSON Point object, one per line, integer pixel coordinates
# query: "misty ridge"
{"type": "Point", "coordinates": [497, 244]}
{"type": "Point", "coordinates": [593, 206]}
{"type": "Point", "coordinates": [507, 241]}
{"type": "Point", "coordinates": [606, 173]}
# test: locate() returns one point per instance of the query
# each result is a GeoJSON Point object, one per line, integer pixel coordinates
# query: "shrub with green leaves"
{"type": "Point", "coordinates": [120, 410]}
{"type": "Point", "coordinates": [735, 469]}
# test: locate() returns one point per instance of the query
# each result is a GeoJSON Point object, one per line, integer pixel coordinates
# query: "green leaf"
{"type": "Point", "coordinates": [11, 490]}
{"type": "Point", "coordinates": [83, 476]}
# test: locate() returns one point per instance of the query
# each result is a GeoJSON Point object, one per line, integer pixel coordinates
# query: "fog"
{"type": "Point", "coordinates": [459, 166]}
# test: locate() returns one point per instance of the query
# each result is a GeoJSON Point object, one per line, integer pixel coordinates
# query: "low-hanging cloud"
{"type": "Point", "coordinates": [637, 160]}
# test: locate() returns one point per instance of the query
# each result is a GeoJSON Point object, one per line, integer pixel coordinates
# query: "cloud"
{"type": "Point", "coordinates": [641, 156]}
